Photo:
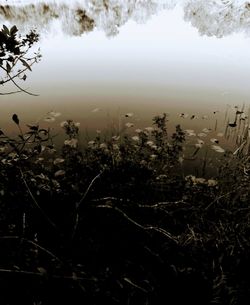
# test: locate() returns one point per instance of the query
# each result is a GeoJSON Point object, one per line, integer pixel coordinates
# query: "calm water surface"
{"type": "Point", "coordinates": [102, 59]}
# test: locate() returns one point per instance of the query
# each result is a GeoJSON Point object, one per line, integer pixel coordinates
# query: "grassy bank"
{"type": "Point", "coordinates": [120, 221]}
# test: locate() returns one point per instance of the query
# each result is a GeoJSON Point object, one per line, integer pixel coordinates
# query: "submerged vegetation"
{"type": "Point", "coordinates": [120, 221]}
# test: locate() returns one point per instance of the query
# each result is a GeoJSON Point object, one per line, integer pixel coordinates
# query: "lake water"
{"type": "Point", "coordinates": [103, 59]}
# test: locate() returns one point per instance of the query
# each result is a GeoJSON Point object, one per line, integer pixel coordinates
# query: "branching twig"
{"type": "Point", "coordinates": [9, 93]}
{"type": "Point", "coordinates": [20, 88]}
{"type": "Point", "coordinates": [40, 274]}
{"type": "Point", "coordinates": [220, 197]}
{"type": "Point", "coordinates": [146, 228]}
{"type": "Point", "coordinates": [127, 280]}
{"type": "Point", "coordinates": [161, 204]}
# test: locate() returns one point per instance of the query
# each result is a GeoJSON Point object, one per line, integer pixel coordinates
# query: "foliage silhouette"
{"type": "Point", "coordinates": [119, 221]}
{"type": "Point", "coordinates": [15, 57]}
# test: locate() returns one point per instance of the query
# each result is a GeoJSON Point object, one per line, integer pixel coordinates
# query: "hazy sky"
{"type": "Point", "coordinates": [162, 63]}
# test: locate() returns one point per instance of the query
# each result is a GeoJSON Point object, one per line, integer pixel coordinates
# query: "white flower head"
{"type": "Point", "coordinates": [153, 157]}
{"type": "Point", "coordinates": [149, 129]}
{"type": "Point", "coordinates": [3, 148]}
{"type": "Point", "coordinates": [91, 143]}
{"type": "Point", "coordinates": [58, 161]}
{"type": "Point", "coordinates": [64, 124]}
{"type": "Point", "coordinates": [135, 138]}
{"type": "Point", "coordinates": [138, 130]}
{"type": "Point", "coordinates": [116, 138]}
{"type": "Point", "coordinates": [212, 182]}
{"type": "Point", "coordinates": [103, 145]}
{"type": "Point", "coordinates": [150, 143]}
{"type": "Point", "coordinates": [72, 142]}
{"type": "Point", "coordinates": [59, 173]}
{"type": "Point", "coordinates": [115, 147]}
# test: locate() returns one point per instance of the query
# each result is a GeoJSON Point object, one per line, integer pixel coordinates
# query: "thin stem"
{"type": "Point", "coordinates": [35, 201]}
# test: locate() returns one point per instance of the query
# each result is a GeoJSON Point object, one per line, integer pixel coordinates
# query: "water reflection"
{"type": "Point", "coordinates": [162, 66]}
{"type": "Point", "coordinates": [213, 18]}
{"type": "Point", "coordinates": [75, 17]}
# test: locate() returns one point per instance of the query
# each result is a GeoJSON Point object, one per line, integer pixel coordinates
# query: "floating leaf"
{"type": "Point", "coordinates": [183, 115]}
{"type": "Point", "coordinates": [129, 115]}
{"type": "Point", "coordinates": [205, 117]}
{"type": "Point", "coordinates": [220, 134]}
{"type": "Point", "coordinates": [200, 142]}
{"type": "Point", "coordinates": [206, 130]}
{"type": "Point", "coordinates": [129, 125]}
{"type": "Point", "coordinates": [190, 132]}
{"type": "Point", "coordinates": [96, 110]}
{"type": "Point", "coordinates": [213, 140]}
{"type": "Point", "coordinates": [49, 119]}
{"type": "Point", "coordinates": [218, 149]}
{"type": "Point", "coordinates": [193, 117]}
{"type": "Point", "coordinates": [202, 135]}
{"type": "Point", "coordinates": [54, 114]}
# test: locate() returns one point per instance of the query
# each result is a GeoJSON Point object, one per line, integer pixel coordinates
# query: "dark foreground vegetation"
{"type": "Point", "coordinates": [119, 222]}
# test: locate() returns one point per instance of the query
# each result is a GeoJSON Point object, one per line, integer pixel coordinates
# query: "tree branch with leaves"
{"type": "Point", "coordinates": [16, 58]}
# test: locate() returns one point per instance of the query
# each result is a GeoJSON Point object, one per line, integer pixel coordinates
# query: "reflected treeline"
{"type": "Point", "coordinates": [218, 18]}
{"type": "Point", "coordinates": [78, 17]}
{"type": "Point", "coordinates": [212, 18]}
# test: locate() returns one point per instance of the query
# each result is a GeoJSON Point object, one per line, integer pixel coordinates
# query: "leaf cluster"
{"type": "Point", "coordinates": [15, 57]}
